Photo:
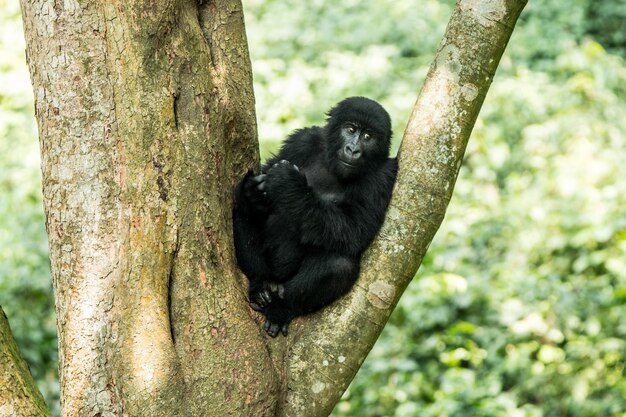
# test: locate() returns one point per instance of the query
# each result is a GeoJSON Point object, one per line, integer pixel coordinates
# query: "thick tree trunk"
{"type": "Point", "coordinates": [146, 120]}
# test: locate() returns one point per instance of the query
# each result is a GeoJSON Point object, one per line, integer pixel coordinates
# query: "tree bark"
{"type": "Point", "coordinates": [146, 121]}
{"type": "Point", "coordinates": [20, 396]}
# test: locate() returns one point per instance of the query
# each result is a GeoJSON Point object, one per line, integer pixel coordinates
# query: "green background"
{"type": "Point", "coordinates": [519, 309]}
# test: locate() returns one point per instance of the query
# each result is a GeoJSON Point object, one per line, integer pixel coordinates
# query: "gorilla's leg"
{"type": "Point", "coordinates": [249, 251]}
{"type": "Point", "coordinates": [320, 280]}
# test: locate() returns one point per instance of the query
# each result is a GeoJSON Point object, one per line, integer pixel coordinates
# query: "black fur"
{"type": "Point", "coordinates": [301, 225]}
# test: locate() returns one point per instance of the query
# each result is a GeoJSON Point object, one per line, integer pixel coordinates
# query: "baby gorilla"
{"type": "Point", "coordinates": [301, 225]}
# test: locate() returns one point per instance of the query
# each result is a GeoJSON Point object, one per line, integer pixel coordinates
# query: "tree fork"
{"type": "Point", "coordinates": [146, 120]}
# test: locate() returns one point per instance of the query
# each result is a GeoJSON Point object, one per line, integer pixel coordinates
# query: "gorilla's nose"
{"type": "Point", "coordinates": [352, 151]}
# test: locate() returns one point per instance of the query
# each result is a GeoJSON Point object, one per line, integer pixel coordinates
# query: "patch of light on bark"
{"type": "Point", "coordinates": [487, 13]}
{"type": "Point", "coordinates": [380, 294]}
{"type": "Point", "coordinates": [318, 387]}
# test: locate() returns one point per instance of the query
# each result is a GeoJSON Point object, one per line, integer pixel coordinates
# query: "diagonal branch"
{"type": "Point", "coordinates": [327, 350]}
{"type": "Point", "coordinates": [19, 395]}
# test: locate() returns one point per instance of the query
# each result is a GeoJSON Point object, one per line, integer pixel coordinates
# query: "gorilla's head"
{"type": "Point", "coordinates": [358, 136]}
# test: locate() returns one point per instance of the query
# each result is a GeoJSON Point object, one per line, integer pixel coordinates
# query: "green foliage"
{"type": "Point", "coordinates": [607, 24]}
{"type": "Point", "coordinates": [306, 56]}
{"type": "Point", "coordinates": [25, 286]}
{"type": "Point", "coordinates": [519, 307]}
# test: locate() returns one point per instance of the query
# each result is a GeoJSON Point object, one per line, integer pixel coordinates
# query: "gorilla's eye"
{"type": "Point", "coordinates": [367, 136]}
{"type": "Point", "coordinates": [351, 129]}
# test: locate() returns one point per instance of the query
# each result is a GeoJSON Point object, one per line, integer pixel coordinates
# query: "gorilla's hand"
{"type": "Point", "coordinates": [269, 291]}
{"type": "Point", "coordinates": [254, 191]}
{"type": "Point", "coordinates": [284, 179]}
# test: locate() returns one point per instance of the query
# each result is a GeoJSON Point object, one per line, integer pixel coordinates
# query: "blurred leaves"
{"type": "Point", "coordinates": [306, 56]}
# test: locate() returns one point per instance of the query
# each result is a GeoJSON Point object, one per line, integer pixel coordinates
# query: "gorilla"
{"type": "Point", "coordinates": [301, 225]}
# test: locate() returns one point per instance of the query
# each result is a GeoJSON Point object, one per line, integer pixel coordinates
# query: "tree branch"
{"type": "Point", "coordinates": [327, 349]}
{"type": "Point", "coordinates": [19, 395]}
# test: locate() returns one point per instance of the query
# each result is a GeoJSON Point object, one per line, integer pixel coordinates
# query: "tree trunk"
{"type": "Point", "coordinates": [146, 121]}
{"type": "Point", "coordinates": [146, 118]}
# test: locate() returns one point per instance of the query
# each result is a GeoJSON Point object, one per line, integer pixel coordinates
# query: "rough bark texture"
{"type": "Point", "coordinates": [146, 120]}
{"type": "Point", "coordinates": [19, 395]}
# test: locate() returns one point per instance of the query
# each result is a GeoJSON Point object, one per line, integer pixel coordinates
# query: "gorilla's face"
{"type": "Point", "coordinates": [358, 135]}
{"type": "Point", "coordinates": [358, 149]}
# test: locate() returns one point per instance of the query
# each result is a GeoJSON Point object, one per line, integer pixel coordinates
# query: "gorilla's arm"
{"type": "Point", "coordinates": [299, 148]}
{"type": "Point", "coordinates": [346, 224]}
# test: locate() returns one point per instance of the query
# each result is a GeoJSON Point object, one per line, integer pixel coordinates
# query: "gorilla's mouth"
{"type": "Point", "coordinates": [348, 164]}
